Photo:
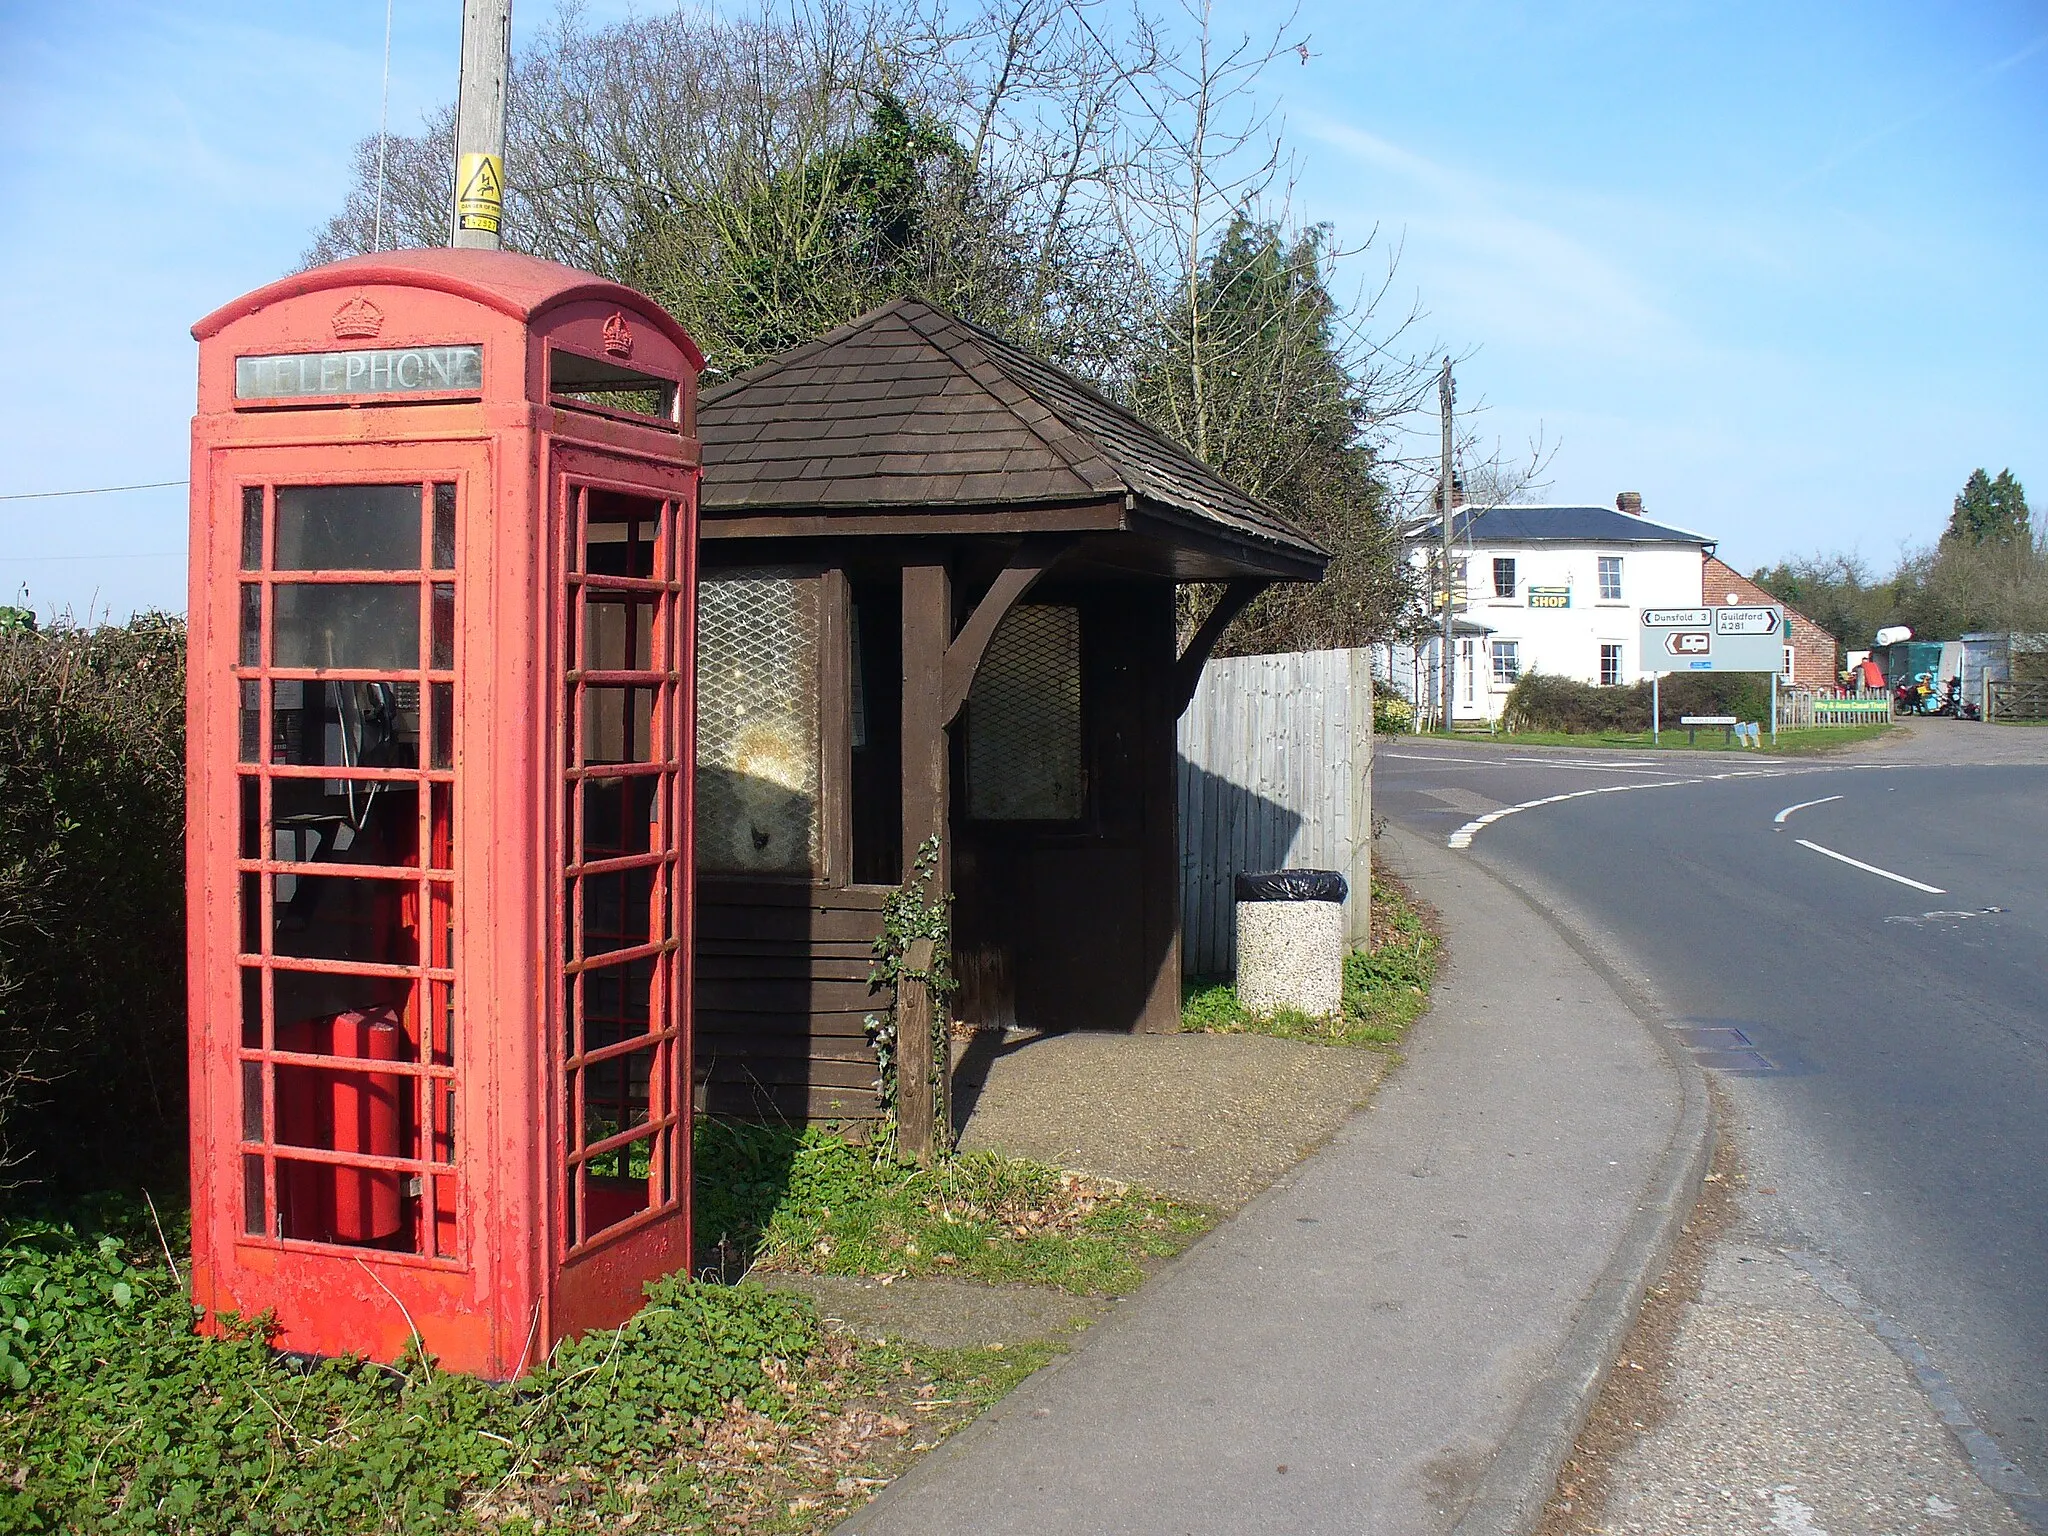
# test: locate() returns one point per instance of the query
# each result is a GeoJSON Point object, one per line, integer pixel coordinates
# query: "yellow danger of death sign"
{"type": "Point", "coordinates": [480, 200]}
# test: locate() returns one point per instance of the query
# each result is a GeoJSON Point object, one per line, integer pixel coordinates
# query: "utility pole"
{"type": "Point", "coordinates": [480, 124]}
{"type": "Point", "coordinates": [1446, 394]}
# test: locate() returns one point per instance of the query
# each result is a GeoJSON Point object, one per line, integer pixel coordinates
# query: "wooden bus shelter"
{"type": "Point", "coordinates": [938, 581]}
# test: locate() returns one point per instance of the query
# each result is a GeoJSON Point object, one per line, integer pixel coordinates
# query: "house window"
{"type": "Point", "coordinates": [1507, 659]}
{"type": "Point", "coordinates": [1610, 578]}
{"type": "Point", "coordinates": [1466, 650]}
{"type": "Point", "coordinates": [1610, 663]}
{"type": "Point", "coordinates": [1504, 578]}
{"type": "Point", "coordinates": [1791, 661]}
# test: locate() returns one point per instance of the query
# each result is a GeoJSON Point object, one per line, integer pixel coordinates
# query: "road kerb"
{"type": "Point", "coordinates": [1513, 1491]}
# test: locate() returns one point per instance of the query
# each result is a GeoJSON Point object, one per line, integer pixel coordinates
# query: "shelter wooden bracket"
{"type": "Point", "coordinates": [1187, 670]}
{"type": "Point", "coordinates": [1032, 558]}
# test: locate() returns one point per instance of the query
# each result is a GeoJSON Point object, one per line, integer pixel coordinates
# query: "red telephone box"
{"type": "Point", "coordinates": [444, 513]}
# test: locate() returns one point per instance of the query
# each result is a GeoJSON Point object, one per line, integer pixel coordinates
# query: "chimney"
{"type": "Point", "coordinates": [1630, 502]}
{"type": "Point", "coordinates": [1436, 498]}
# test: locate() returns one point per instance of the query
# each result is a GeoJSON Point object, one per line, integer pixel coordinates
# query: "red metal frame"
{"type": "Point", "coordinates": [418, 1146]}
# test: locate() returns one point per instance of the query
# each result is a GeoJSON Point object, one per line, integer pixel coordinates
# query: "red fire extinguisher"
{"type": "Point", "coordinates": [344, 1110]}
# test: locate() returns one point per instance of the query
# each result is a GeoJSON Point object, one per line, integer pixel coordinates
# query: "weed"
{"type": "Point", "coordinates": [809, 1200]}
{"type": "Point", "coordinates": [115, 1416]}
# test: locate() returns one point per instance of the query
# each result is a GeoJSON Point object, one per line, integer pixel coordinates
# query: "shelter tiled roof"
{"type": "Point", "coordinates": [910, 407]}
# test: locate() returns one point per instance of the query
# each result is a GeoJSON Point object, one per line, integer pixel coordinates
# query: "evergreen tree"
{"type": "Point", "coordinates": [1257, 382]}
{"type": "Point", "coordinates": [1990, 511]}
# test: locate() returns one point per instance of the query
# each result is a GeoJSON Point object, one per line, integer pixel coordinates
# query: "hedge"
{"type": "Point", "coordinates": [92, 954]}
{"type": "Point", "coordinates": [1541, 702]}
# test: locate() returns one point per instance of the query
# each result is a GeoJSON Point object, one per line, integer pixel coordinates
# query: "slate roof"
{"type": "Point", "coordinates": [910, 407]}
{"type": "Point", "coordinates": [1555, 525]}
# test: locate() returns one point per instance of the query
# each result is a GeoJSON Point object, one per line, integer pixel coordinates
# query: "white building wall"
{"type": "Point", "coordinates": [1560, 641]}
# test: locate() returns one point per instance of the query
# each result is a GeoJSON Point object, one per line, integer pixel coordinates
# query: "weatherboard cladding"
{"type": "Point", "coordinates": [1552, 525]}
{"type": "Point", "coordinates": [911, 407]}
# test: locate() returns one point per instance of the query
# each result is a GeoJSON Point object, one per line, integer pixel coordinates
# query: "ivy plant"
{"type": "Point", "coordinates": [916, 910]}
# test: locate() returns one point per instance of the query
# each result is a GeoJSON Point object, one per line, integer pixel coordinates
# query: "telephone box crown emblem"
{"type": "Point", "coordinates": [358, 317]}
{"type": "Point", "coordinates": [618, 336]}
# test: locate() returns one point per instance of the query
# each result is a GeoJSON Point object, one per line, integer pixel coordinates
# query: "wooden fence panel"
{"type": "Point", "coordinates": [1275, 772]}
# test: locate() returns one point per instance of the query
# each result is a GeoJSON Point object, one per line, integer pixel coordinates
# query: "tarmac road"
{"type": "Point", "coordinates": [1868, 973]}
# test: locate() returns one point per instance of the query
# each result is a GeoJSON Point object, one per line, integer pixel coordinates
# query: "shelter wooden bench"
{"type": "Point", "coordinates": [1692, 723]}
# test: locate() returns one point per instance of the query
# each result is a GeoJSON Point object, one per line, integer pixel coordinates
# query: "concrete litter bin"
{"type": "Point", "coordinates": [1290, 941]}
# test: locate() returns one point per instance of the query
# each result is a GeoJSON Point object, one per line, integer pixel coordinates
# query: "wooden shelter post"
{"type": "Point", "coordinates": [927, 631]}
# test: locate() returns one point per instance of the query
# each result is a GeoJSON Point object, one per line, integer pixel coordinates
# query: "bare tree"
{"type": "Point", "coordinates": [1109, 190]}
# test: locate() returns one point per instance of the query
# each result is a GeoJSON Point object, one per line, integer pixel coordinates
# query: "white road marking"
{"type": "Point", "coordinates": [1462, 838]}
{"type": "Point", "coordinates": [1932, 890]}
{"type": "Point", "coordinates": [1802, 805]}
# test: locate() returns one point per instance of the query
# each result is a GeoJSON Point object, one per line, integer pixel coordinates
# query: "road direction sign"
{"type": "Point", "coordinates": [1746, 621]}
{"type": "Point", "coordinates": [1677, 618]}
{"type": "Point", "coordinates": [1733, 639]}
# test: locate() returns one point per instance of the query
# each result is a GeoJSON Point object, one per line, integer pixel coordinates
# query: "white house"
{"type": "Point", "coordinates": [1553, 589]}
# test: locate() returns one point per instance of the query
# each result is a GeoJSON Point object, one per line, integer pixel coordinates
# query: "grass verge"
{"type": "Point", "coordinates": [715, 1409]}
{"type": "Point", "coordinates": [1791, 743]}
{"type": "Point", "coordinates": [1386, 986]}
{"type": "Point", "coordinates": [773, 1198]}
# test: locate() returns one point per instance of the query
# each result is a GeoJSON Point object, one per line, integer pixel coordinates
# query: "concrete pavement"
{"type": "Point", "coordinates": [1402, 1335]}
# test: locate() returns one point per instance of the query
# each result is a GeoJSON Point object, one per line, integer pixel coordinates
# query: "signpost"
{"type": "Point", "coordinates": [1736, 639]}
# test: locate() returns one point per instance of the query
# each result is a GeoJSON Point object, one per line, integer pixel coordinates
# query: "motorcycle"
{"type": "Point", "coordinates": [1954, 705]}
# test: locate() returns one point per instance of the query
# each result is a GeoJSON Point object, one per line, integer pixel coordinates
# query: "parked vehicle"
{"type": "Point", "coordinates": [1954, 705]}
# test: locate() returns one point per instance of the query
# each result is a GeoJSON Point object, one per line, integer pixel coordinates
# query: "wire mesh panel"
{"type": "Point", "coordinates": [1024, 719]}
{"type": "Point", "coordinates": [757, 723]}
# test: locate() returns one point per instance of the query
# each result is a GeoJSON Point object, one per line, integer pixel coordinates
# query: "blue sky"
{"type": "Point", "coordinates": [1781, 268]}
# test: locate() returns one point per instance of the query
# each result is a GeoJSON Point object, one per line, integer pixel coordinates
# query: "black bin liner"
{"type": "Point", "coordinates": [1292, 885]}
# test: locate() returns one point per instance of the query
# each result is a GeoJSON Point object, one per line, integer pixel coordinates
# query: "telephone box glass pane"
{"type": "Point", "coordinates": [351, 625]}
{"type": "Point", "coordinates": [252, 820]}
{"type": "Point", "coordinates": [444, 627]}
{"type": "Point", "coordinates": [251, 721]}
{"type": "Point", "coordinates": [309, 1002]}
{"type": "Point", "coordinates": [615, 1095]}
{"type": "Point", "coordinates": [617, 1003]}
{"type": "Point", "coordinates": [348, 528]}
{"type": "Point", "coordinates": [442, 697]}
{"type": "Point", "coordinates": [618, 725]}
{"type": "Point", "coordinates": [252, 624]}
{"type": "Point", "coordinates": [618, 632]}
{"type": "Point", "coordinates": [252, 527]}
{"type": "Point", "coordinates": [609, 1198]}
{"type": "Point", "coordinates": [345, 821]}
{"type": "Point", "coordinates": [618, 816]}
{"type": "Point", "coordinates": [616, 911]}
{"type": "Point", "coordinates": [334, 917]}
{"type": "Point", "coordinates": [252, 1196]}
{"type": "Point", "coordinates": [620, 534]}
{"type": "Point", "coordinates": [368, 724]}
{"type": "Point", "coordinates": [757, 723]}
{"type": "Point", "coordinates": [252, 1008]}
{"type": "Point", "coordinates": [444, 526]}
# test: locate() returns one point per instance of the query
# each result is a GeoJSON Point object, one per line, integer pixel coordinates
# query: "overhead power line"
{"type": "Point", "coordinates": [94, 490]}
